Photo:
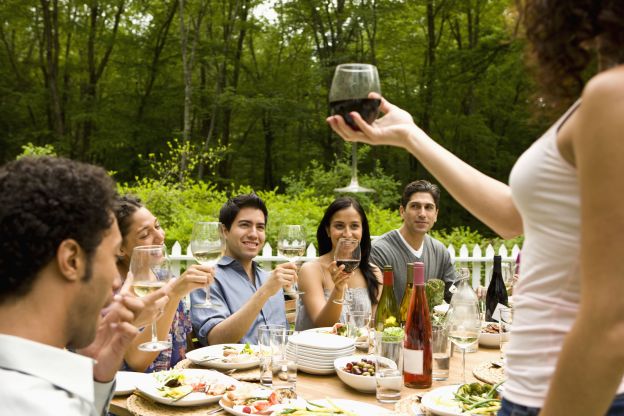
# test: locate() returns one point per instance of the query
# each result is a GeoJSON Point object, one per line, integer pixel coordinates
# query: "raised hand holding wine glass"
{"type": "Point", "coordinates": [349, 92]}
{"type": "Point", "coordinates": [291, 244]}
{"type": "Point", "coordinates": [207, 246]}
{"type": "Point", "coordinates": [347, 255]}
{"type": "Point", "coordinates": [151, 270]}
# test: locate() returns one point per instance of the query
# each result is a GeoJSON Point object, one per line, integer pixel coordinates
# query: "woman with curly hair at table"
{"type": "Point", "coordinates": [566, 354]}
{"type": "Point", "coordinates": [139, 227]}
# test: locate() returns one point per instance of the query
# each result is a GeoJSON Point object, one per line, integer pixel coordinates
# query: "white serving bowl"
{"type": "Point", "coordinates": [490, 340]}
{"type": "Point", "coordinates": [364, 384]}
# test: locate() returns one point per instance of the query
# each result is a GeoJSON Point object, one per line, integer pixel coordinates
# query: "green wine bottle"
{"type": "Point", "coordinates": [387, 314]}
{"type": "Point", "coordinates": [407, 295]}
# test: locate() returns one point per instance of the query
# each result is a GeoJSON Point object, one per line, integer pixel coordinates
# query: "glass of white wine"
{"type": "Point", "coordinates": [463, 322]}
{"type": "Point", "coordinates": [291, 244]}
{"type": "Point", "coordinates": [207, 246]}
{"type": "Point", "coordinates": [150, 270]}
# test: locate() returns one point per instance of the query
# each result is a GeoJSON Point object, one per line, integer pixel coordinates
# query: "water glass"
{"type": "Point", "coordinates": [271, 342]}
{"type": "Point", "coordinates": [359, 328]}
{"type": "Point", "coordinates": [441, 348]}
{"type": "Point", "coordinates": [388, 367]}
{"type": "Point", "coordinates": [284, 365]}
{"type": "Point", "coordinates": [504, 326]}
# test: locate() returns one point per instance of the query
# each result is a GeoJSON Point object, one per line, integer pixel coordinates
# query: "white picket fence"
{"type": "Point", "coordinates": [479, 263]}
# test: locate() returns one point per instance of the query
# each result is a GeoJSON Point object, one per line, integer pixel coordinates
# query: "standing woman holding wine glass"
{"type": "Point", "coordinates": [325, 283]}
{"type": "Point", "coordinates": [565, 354]}
{"type": "Point", "coordinates": [139, 227]}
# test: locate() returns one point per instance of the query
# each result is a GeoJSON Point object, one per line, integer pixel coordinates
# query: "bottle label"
{"type": "Point", "coordinates": [497, 312]}
{"type": "Point", "coordinates": [413, 361]}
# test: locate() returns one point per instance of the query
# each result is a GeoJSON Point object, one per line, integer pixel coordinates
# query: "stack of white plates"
{"type": "Point", "coordinates": [315, 352]}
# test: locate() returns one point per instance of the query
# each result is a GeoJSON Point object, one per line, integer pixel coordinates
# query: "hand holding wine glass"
{"type": "Point", "coordinates": [291, 243]}
{"type": "Point", "coordinates": [348, 255]}
{"type": "Point", "coordinates": [207, 246]}
{"type": "Point", "coordinates": [150, 270]}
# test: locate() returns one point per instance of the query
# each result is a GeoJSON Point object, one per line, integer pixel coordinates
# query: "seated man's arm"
{"type": "Point", "coordinates": [449, 276]}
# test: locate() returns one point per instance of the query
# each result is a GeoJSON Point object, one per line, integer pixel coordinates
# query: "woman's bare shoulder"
{"type": "Point", "coordinates": [605, 88]}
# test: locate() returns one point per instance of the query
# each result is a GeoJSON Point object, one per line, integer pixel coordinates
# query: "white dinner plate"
{"type": "Point", "coordinates": [260, 393]}
{"type": "Point", "coordinates": [126, 381]}
{"type": "Point", "coordinates": [356, 408]}
{"type": "Point", "coordinates": [204, 357]}
{"type": "Point", "coordinates": [324, 342]}
{"type": "Point", "coordinates": [149, 387]}
{"type": "Point", "coordinates": [316, 370]}
{"type": "Point", "coordinates": [441, 401]}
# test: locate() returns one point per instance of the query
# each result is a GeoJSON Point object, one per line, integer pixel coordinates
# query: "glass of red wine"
{"type": "Point", "coordinates": [349, 92]}
{"type": "Point", "coordinates": [347, 254]}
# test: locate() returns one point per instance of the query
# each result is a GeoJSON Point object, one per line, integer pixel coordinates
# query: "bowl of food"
{"type": "Point", "coordinates": [358, 371]}
{"type": "Point", "coordinates": [490, 335]}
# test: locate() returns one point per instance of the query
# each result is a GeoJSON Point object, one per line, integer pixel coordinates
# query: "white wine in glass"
{"type": "Point", "coordinates": [291, 244]}
{"type": "Point", "coordinates": [151, 271]}
{"type": "Point", "coordinates": [207, 246]}
{"type": "Point", "coordinates": [347, 254]}
{"type": "Point", "coordinates": [463, 321]}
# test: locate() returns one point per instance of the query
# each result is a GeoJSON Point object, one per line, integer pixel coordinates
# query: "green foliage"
{"type": "Point", "coordinates": [434, 289]}
{"type": "Point", "coordinates": [30, 149]}
{"type": "Point", "coordinates": [321, 181]}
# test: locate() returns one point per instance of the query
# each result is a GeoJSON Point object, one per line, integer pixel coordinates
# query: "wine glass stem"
{"type": "Point", "coordinates": [354, 162]}
{"type": "Point", "coordinates": [464, 364]}
{"type": "Point", "coordinates": [154, 332]}
{"type": "Point", "coordinates": [207, 294]}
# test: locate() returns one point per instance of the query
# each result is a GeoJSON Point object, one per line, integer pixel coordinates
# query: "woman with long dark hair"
{"type": "Point", "coordinates": [566, 354]}
{"type": "Point", "coordinates": [323, 281]}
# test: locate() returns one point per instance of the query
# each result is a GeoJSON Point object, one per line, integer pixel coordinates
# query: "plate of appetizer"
{"type": "Point", "coordinates": [462, 400]}
{"type": "Point", "coordinates": [259, 401]}
{"type": "Point", "coordinates": [188, 387]}
{"type": "Point", "coordinates": [332, 407]}
{"type": "Point", "coordinates": [226, 356]}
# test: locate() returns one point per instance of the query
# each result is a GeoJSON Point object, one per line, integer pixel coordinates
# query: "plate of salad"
{"type": "Point", "coordinates": [462, 400]}
{"type": "Point", "coordinates": [226, 356]}
{"type": "Point", "coordinates": [188, 387]}
{"type": "Point", "coordinates": [259, 401]}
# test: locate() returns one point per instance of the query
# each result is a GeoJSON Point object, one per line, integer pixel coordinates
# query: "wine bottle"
{"type": "Point", "coordinates": [417, 354]}
{"type": "Point", "coordinates": [407, 294]}
{"type": "Point", "coordinates": [496, 293]}
{"type": "Point", "coordinates": [387, 314]}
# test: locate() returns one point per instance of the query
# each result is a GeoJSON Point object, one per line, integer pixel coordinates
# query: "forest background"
{"type": "Point", "coordinates": [188, 101]}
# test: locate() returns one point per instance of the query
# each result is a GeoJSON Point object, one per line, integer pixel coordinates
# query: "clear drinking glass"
{"type": "Point", "coordinates": [207, 246]}
{"type": "Point", "coordinates": [504, 326]}
{"type": "Point", "coordinates": [291, 244]}
{"type": "Point", "coordinates": [284, 364]}
{"type": "Point", "coordinates": [347, 254]}
{"type": "Point", "coordinates": [150, 270]}
{"type": "Point", "coordinates": [440, 347]}
{"type": "Point", "coordinates": [270, 341]}
{"type": "Point", "coordinates": [388, 367]}
{"type": "Point", "coordinates": [359, 328]}
{"type": "Point", "coordinates": [464, 324]}
{"type": "Point", "coordinates": [349, 92]}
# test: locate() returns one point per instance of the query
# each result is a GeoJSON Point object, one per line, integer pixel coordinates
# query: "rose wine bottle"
{"type": "Point", "coordinates": [496, 296]}
{"type": "Point", "coordinates": [407, 295]}
{"type": "Point", "coordinates": [387, 314]}
{"type": "Point", "coordinates": [417, 358]}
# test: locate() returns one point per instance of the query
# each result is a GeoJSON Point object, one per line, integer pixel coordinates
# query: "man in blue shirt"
{"type": "Point", "coordinates": [249, 296]}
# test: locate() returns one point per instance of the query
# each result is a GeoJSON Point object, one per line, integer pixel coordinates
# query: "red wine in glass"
{"type": "Point", "coordinates": [367, 107]}
{"type": "Point", "coordinates": [349, 265]}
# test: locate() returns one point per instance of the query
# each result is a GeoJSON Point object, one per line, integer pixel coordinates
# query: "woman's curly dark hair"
{"type": "Point", "coordinates": [565, 34]}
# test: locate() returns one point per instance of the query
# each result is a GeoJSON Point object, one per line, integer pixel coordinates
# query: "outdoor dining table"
{"type": "Point", "coordinates": [323, 386]}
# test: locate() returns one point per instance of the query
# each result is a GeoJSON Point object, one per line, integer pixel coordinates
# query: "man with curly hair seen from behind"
{"type": "Point", "coordinates": [58, 246]}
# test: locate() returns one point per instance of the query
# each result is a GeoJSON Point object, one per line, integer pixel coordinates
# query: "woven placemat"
{"type": "Point", "coordinates": [406, 406]}
{"type": "Point", "coordinates": [489, 373]}
{"type": "Point", "coordinates": [140, 406]}
{"type": "Point", "coordinates": [251, 374]}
